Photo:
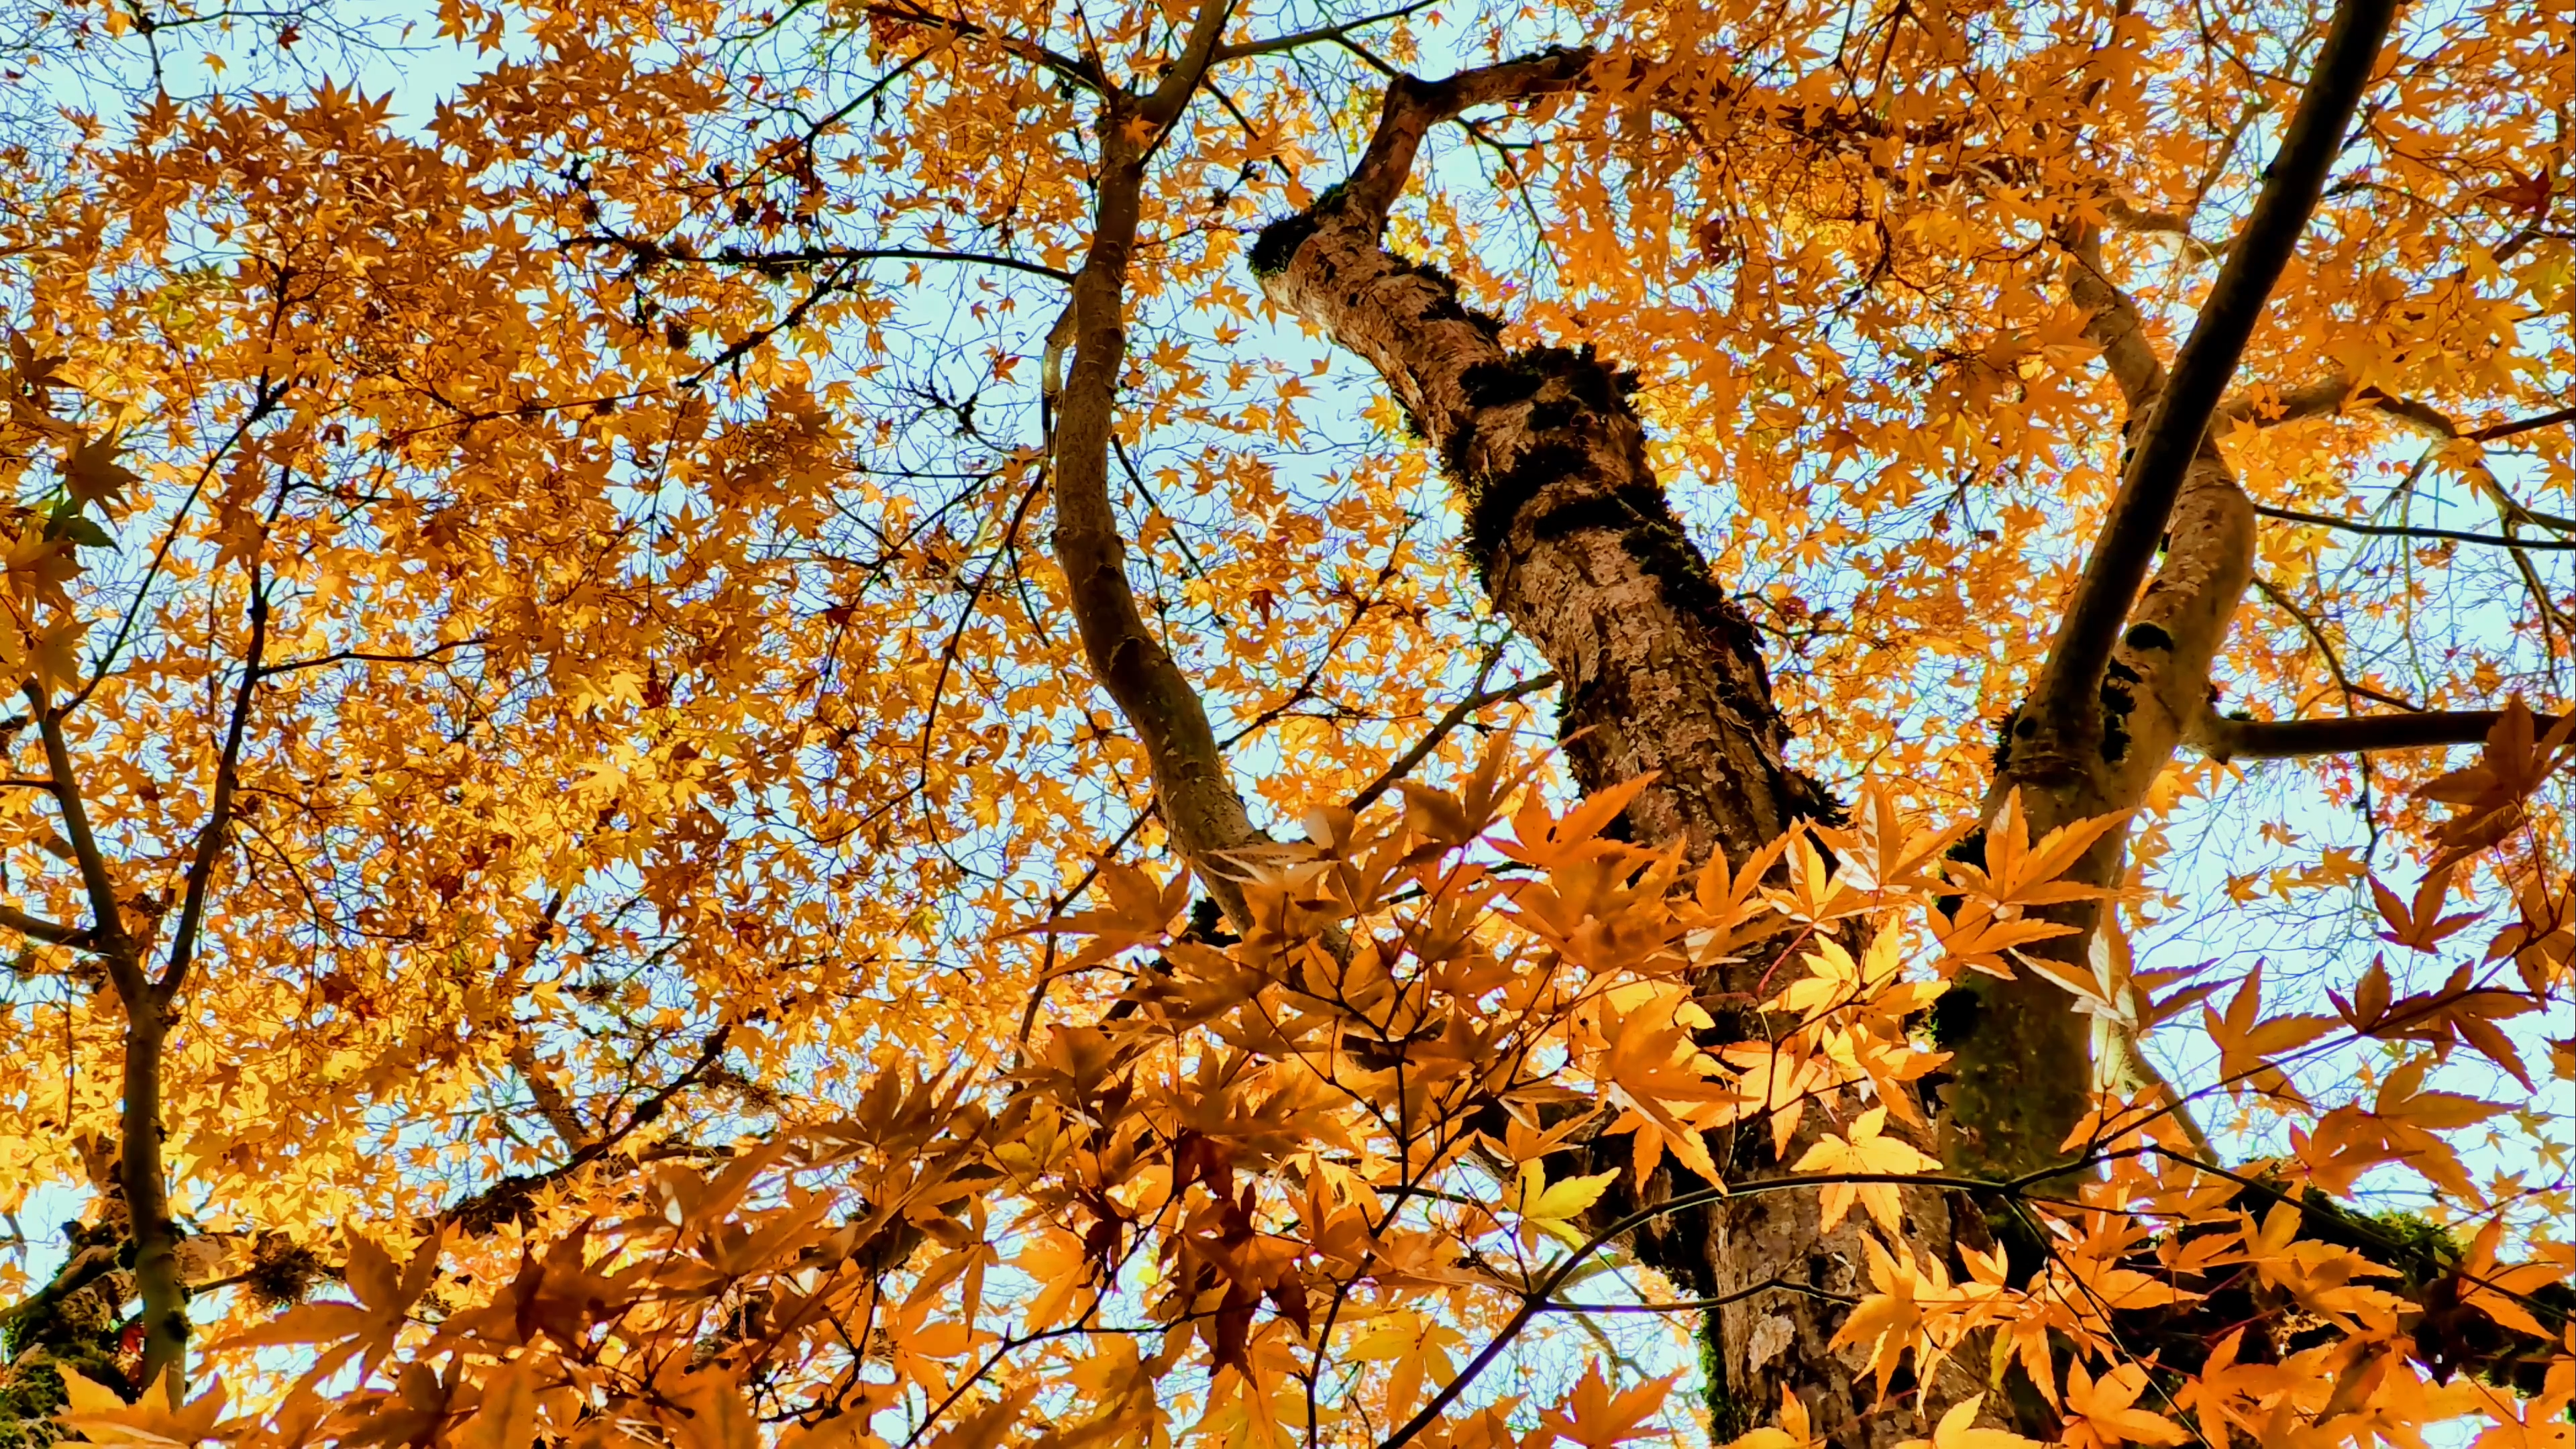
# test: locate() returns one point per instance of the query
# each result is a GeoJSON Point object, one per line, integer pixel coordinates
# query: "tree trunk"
{"type": "Point", "coordinates": [1579, 549]}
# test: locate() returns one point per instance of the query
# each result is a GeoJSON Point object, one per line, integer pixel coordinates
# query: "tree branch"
{"type": "Point", "coordinates": [107, 918]}
{"type": "Point", "coordinates": [219, 814]}
{"type": "Point", "coordinates": [2525, 425]}
{"type": "Point", "coordinates": [2163, 450]}
{"type": "Point", "coordinates": [38, 928]}
{"type": "Point", "coordinates": [2330, 394]}
{"type": "Point", "coordinates": [1173, 94]}
{"type": "Point", "coordinates": [1413, 106]}
{"type": "Point", "coordinates": [1456, 715]}
{"type": "Point", "coordinates": [2390, 530]}
{"type": "Point", "coordinates": [552, 1104]}
{"type": "Point", "coordinates": [733, 256]}
{"type": "Point", "coordinates": [1200, 807]}
{"type": "Point", "coordinates": [508, 1200]}
{"type": "Point", "coordinates": [2247, 739]}
{"type": "Point", "coordinates": [1083, 72]}
{"type": "Point", "coordinates": [2113, 325]}
{"type": "Point", "coordinates": [139, 1167]}
{"type": "Point", "coordinates": [2326, 651]}
{"type": "Point", "coordinates": [1279, 43]}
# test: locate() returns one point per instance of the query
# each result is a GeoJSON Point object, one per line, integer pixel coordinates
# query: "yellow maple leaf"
{"type": "Point", "coordinates": [1958, 1430]}
{"type": "Point", "coordinates": [1793, 1431]}
{"type": "Point", "coordinates": [2103, 1412]}
{"type": "Point", "coordinates": [1550, 1207]}
{"type": "Point", "coordinates": [1865, 1152]}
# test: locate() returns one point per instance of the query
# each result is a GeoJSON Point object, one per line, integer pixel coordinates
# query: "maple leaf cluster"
{"type": "Point", "coordinates": [582, 878]}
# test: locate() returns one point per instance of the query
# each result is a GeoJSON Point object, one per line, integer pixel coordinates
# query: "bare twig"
{"type": "Point", "coordinates": [1456, 715]}
{"type": "Point", "coordinates": [2388, 530]}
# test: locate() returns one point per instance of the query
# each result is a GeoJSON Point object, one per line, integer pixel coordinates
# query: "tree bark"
{"type": "Point", "coordinates": [1566, 524]}
{"type": "Point", "coordinates": [140, 1177]}
{"type": "Point", "coordinates": [1193, 788]}
{"type": "Point", "coordinates": [1579, 549]}
{"type": "Point", "coordinates": [2128, 676]}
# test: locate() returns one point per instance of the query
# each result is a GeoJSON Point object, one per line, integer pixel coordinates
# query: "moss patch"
{"type": "Point", "coordinates": [1278, 242]}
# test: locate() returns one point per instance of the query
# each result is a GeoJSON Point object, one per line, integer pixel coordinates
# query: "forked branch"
{"type": "Point", "coordinates": [2161, 452]}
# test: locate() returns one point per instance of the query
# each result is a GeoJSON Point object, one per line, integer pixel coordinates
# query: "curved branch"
{"type": "Point", "coordinates": [1278, 44]}
{"type": "Point", "coordinates": [1192, 784]}
{"type": "Point", "coordinates": [1083, 72]}
{"type": "Point", "coordinates": [2325, 650]}
{"type": "Point", "coordinates": [2331, 394]}
{"type": "Point", "coordinates": [1181, 82]}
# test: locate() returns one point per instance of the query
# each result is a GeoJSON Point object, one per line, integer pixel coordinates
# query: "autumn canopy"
{"type": "Point", "coordinates": [944, 724]}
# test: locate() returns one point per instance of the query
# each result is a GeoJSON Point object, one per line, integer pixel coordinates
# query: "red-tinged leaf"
{"type": "Point", "coordinates": [2421, 927]}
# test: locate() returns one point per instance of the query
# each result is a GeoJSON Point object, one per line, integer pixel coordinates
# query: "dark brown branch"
{"type": "Point", "coordinates": [1278, 44]}
{"type": "Point", "coordinates": [816, 256]}
{"type": "Point", "coordinates": [2162, 452]}
{"type": "Point", "coordinates": [1172, 95]}
{"type": "Point", "coordinates": [1456, 715]}
{"type": "Point", "coordinates": [361, 656]}
{"type": "Point", "coordinates": [509, 1199]}
{"type": "Point", "coordinates": [1414, 106]}
{"type": "Point", "coordinates": [2390, 530]}
{"type": "Point", "coordinates": [1578, 548]}
{"type": "Point", "coordinates": [2326, 650]}
{"type": "Point", "coordinates": [552, 1103]}
{"type": "Point", "coordinates": [1702, 1305]}
{"type": "Point", "coordinates": [266, 396]}
{"type": "Point", "coordinates": [2525, 425]}
{"type": "Point", "coordinates": [39, 929]}
{"type": "Point", "coordinates": [2246, 739]}
{"type": "Point", "coordinates": [219, 813]}
{"type": "Point", "coordinates": [108, 920]}
{"type": "Point", "coordinates": [1082, 72]}
{"type": "Point", "coordinates": [139, 1167]}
